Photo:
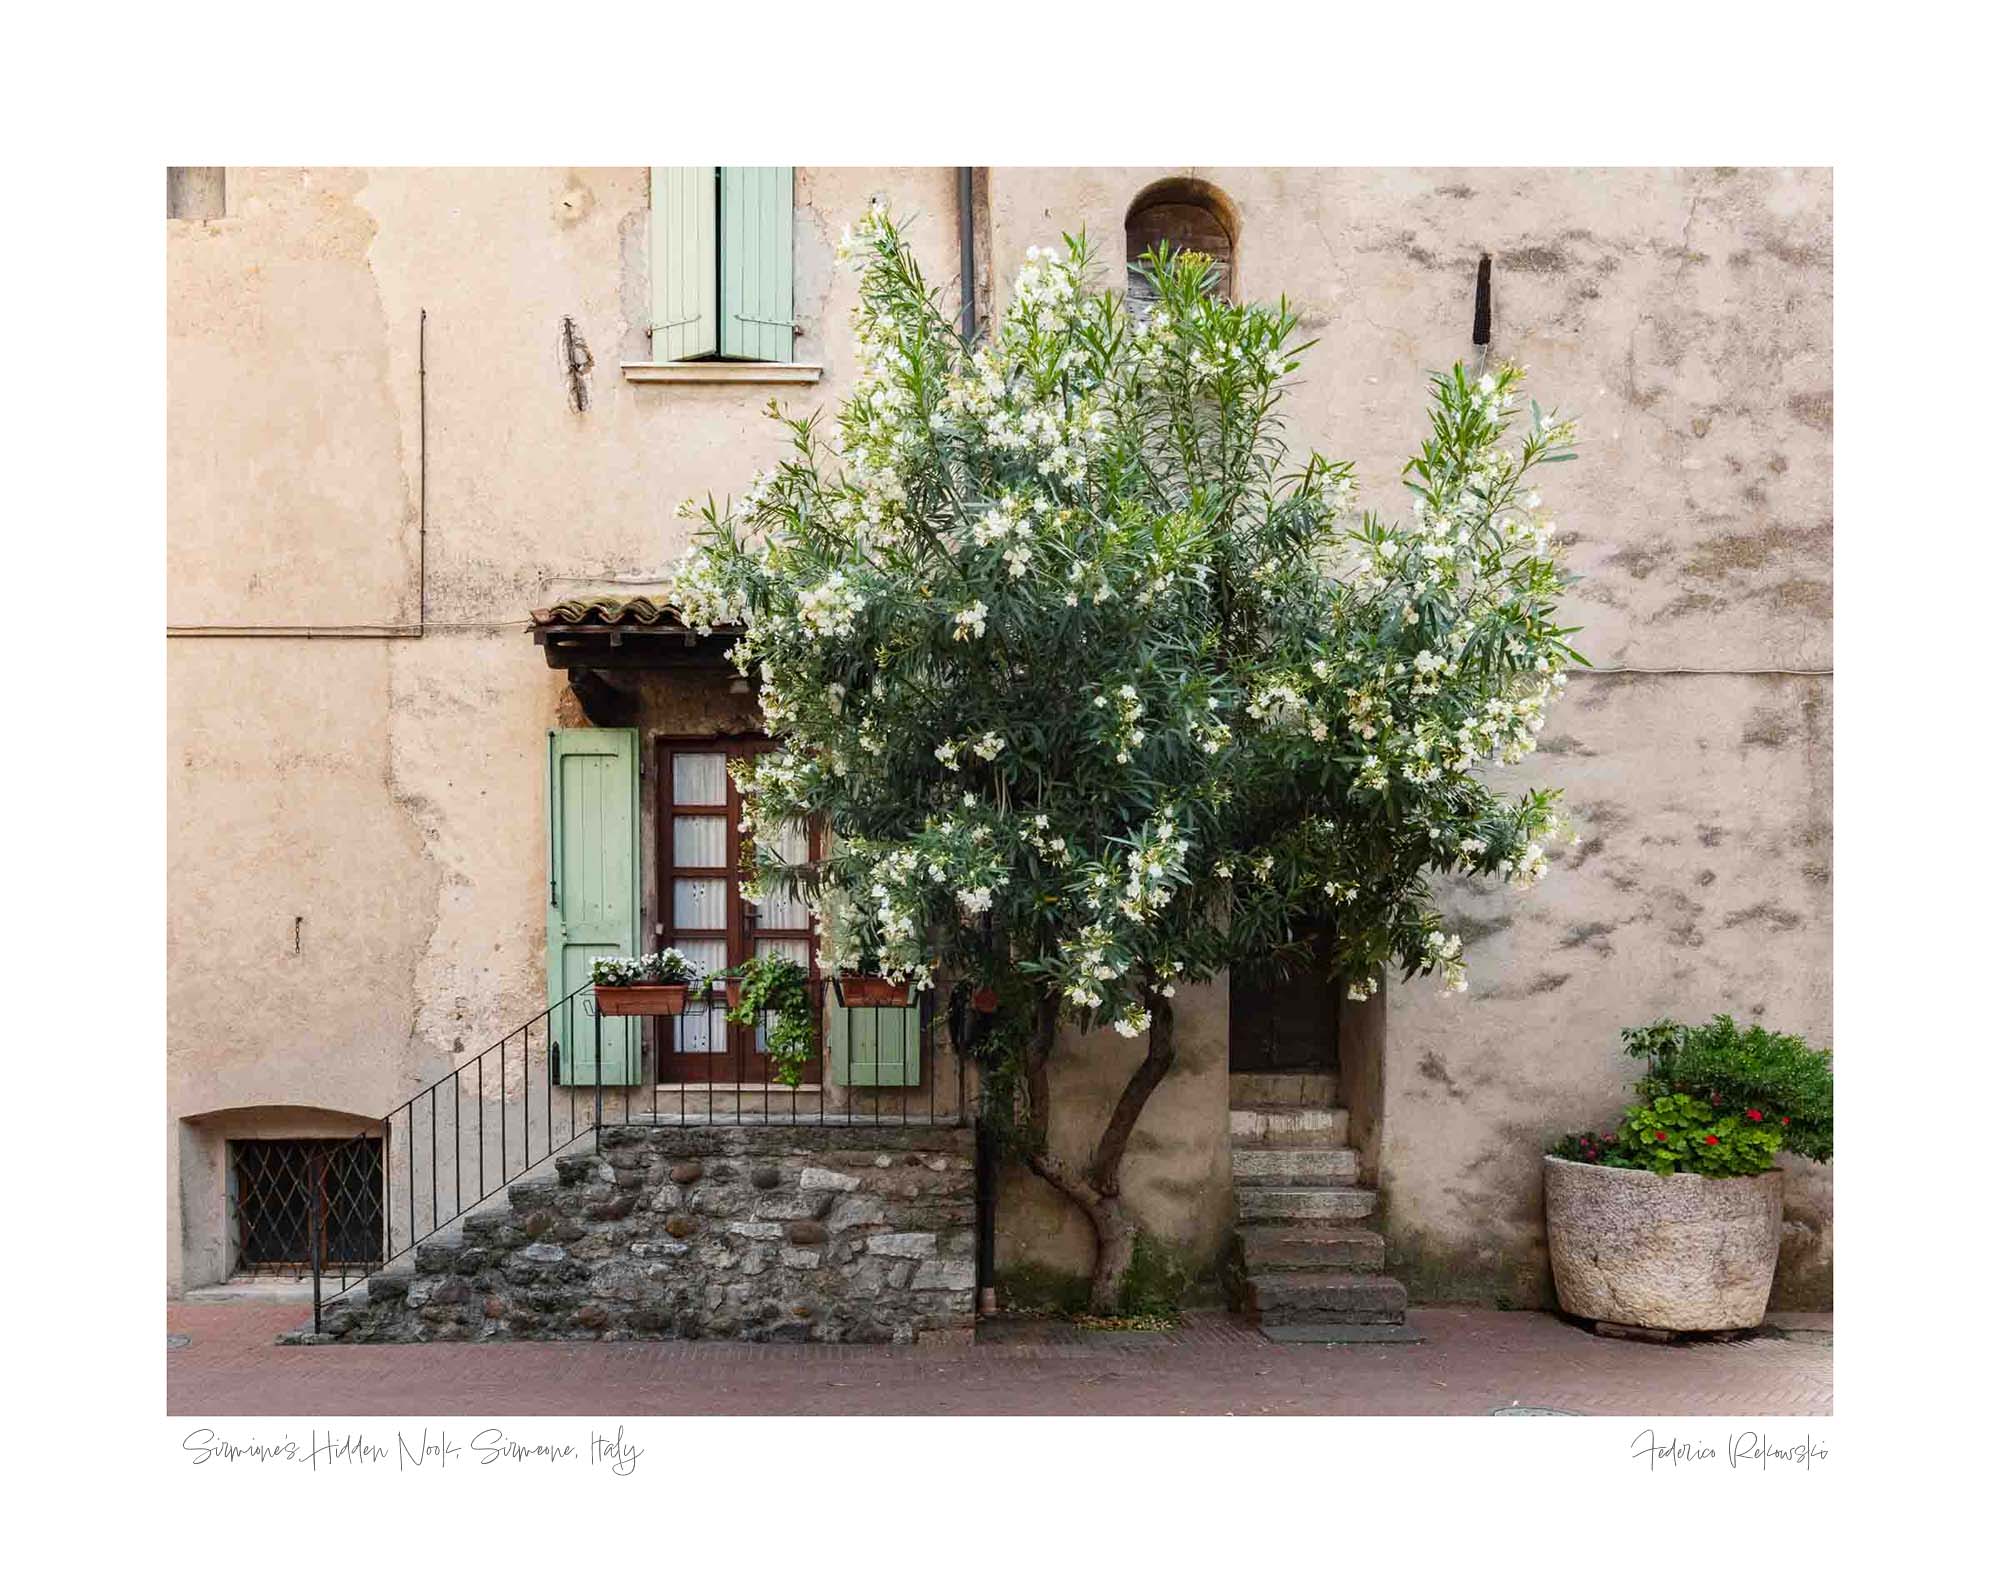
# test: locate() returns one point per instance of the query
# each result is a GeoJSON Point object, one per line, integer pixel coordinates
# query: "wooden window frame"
{"type": "Point", "coordinates": [740, 1064]}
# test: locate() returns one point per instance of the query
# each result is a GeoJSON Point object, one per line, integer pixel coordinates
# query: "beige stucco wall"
{"type": "Point", "coordinates": [388, 791]}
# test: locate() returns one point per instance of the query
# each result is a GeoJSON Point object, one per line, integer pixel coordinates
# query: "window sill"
{"type": "Point", "coordinates": [717, 373]}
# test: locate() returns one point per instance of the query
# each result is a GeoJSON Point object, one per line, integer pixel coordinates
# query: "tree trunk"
{"type": "Point", "coordinates": [1096, 1190]}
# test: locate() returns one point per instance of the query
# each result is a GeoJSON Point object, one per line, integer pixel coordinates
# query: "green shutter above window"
{"type": "Point", "coordinates": [683, 262]}
{"type": "Point", "coordinates": [869, 1047]}
{"type": "Point", "coordinates": [593, 896]}
{"type": "Point", "coordinates": [756, 267]}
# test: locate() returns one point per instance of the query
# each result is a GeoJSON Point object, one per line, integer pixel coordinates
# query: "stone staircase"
{"type": "Point", "coordinates": [1312, 1262]}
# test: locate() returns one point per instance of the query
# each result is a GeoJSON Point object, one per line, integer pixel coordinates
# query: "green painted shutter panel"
{"type": "Point", "coordinates": [593, 896]}
{"type": "Point", "coordinates": [868, 1047]}
{"type": "Point", "coordinates": [683, 263]}
{"type": "Point", "coordinates": [757, 262]}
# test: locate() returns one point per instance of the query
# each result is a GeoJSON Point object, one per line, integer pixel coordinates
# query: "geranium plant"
{"type": "Point", "coordinates": [1100, 684]}
{"type": "Point", "coordinates": [1716, 1100]}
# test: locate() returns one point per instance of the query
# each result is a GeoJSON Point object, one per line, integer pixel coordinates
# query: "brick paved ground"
{"type": "Point", "coordinates": [1473, 1362]}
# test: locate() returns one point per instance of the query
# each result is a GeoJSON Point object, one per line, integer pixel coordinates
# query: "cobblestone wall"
{"type": "Point", "coordinates": [758, 1233]}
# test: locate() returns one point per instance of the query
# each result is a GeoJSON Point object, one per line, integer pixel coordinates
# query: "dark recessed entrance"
{"type": "Point", "coordinates": [1286, 1023]}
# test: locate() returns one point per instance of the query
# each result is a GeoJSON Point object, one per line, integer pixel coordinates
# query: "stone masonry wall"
{"type": "Point", "coordinates": [754, 1233]}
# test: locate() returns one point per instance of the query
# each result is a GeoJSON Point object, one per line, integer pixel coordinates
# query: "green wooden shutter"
{"type": "Point", "coordinates": [872, 1048]}
{"type": "Point", "coordinates": [757, 262]}
{"type": "Point", "coordinates": [593, 891]}
{"type": "Point", "coordinates": [683, 264]}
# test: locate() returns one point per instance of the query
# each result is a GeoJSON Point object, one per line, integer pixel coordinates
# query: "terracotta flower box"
{"type": "Point", "coordinates": [868, 989]}
{"type": "Point", "coordinates": [642, 1000]}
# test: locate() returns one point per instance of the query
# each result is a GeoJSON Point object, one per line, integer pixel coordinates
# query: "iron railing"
{"type": "Point", "coordinates": [487, 1123]}
{"type": "Point", "coordinates": [750, 1092]}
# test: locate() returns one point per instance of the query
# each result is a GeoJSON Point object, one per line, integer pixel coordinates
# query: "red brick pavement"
{"type": "Point", "coordinates": [1472, 1363]}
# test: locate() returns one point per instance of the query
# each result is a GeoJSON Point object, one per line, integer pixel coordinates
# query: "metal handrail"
{"type": "Point", "coordinates": [427, 1098]}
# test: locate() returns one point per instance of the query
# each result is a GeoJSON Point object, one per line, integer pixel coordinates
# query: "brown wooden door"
{"type": "Point", "coordinates": [1286, 1024]}
{"type": "Point", "coordinates": [705, 915]}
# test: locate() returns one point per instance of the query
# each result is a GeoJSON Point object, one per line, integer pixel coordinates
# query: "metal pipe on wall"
{"type": "Point", "coordinates": [986, 1158]}
{"type": "Point", "coordinates": [967, 289]}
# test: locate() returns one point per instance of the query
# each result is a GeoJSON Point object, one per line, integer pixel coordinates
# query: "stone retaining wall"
{"type": "Point", "coordinates": [757, 1233]}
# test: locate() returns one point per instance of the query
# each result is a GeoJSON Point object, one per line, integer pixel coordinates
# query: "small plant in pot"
{"type": "Point", "coordinates": [653, 985]}
{"type": "Point", "coordinates": [1671, 1220]}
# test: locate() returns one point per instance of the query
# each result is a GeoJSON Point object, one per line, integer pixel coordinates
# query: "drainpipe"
{"type": "Point", "coordinates": [986, 1159]}
{"type": "Point", "coordinates": [986, 1156]}
{"type": "Point", "coordinates": [967, 290]}
{"type": "Point", "coordinates": [1482, 315]}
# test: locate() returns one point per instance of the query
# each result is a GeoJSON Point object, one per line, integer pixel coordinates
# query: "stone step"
{"type": "Point", "coordinates": [1310, 1297]}
{"type": "Point", "coordinates": [1289, 1089]}
{"type": "Point", "coordinates": [1307, 1124]}
{"type": "Point", "coordinates": [441, 1252]}
{"type": "Point", "coordinates": [1268, 1165]}
{"type": "Point", "coordinates": [1309, 1247]}
{"type": "Point", "coordinates": [1264, 1205]}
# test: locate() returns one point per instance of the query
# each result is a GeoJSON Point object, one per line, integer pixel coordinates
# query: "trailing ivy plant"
{"type": "Point", "coordinates": [1100, 683]}
{"type": "Point", "coordinates": [776, 985]}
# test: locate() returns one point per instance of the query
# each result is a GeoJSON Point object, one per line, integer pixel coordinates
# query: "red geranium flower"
{"type": "Point", "coordinates": [1713, 1139]}
{"type": "Point", "coordinates": [986, 999]}
{"type": "Point", "coordinates": [1784, 1121]}
{"type": "Point", "coordinates": [1661, 1136]}
{"type": "Point", "coordinates": [1754, 1115]}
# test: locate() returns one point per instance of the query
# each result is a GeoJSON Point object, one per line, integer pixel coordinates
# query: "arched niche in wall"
{"type": "Point", "coordinates": [1185, 212]}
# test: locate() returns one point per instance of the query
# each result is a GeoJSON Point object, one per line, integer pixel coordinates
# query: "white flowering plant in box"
{"type": "Point", "coordinates": [667, 966]}
{"type": "Point", "coordinates": [1099, 684]}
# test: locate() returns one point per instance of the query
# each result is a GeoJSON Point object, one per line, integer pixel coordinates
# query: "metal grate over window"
{"type": "Point", "coordinates": [284, 1191]}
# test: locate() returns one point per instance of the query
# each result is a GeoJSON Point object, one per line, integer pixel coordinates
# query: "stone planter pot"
{"type": "Point", "coordinates": [865, 989]}
{"type": "Point", "coordinates": [641, 1000]}
{"type": "Point", "coordinates": [1679, 1252]}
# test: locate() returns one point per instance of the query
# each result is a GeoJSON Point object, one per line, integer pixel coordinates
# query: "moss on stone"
{"type": "Point", "coordinates": [1161, 1281]}
{"type": "Point", "coordinates": [1157, 1282]}
{"type": "Point", "coordinates": [1436, 1272]}
{"type": "Point", "coordinates": [1035, 1288]}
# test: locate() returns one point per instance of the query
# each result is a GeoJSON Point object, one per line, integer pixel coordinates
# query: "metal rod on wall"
{"type": "Point", "coordinates": [967, 291]}
{"type": "Point", "coordinates": [423, 466]}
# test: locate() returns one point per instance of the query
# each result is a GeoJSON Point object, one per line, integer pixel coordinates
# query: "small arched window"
{"type": "Point", "coordinates": [1185, 213]}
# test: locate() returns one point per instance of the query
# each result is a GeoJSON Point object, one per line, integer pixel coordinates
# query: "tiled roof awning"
{"type": "Point", "coordinates": [624, 632]}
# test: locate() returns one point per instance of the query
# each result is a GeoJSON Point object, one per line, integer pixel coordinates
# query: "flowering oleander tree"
{"type": "Point", "coordinates": [1101, 686]}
